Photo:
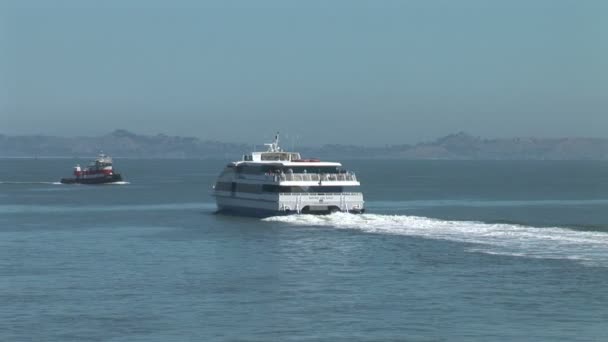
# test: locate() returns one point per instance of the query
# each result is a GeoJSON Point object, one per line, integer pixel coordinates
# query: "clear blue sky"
{"type": "Point", "coordinates": [374, 72]}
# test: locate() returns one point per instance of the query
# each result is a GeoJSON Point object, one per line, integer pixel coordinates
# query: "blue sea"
{"type": "Point", "coordinates": [447, 251]}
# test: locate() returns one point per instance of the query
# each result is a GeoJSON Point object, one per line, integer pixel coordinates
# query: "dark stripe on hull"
{"type": "Point", "coordinates": [255, 212]}
{"type": "Point", "coordinates": [99, 180]}
{"type": "Point", "coordinates": [275, 200]}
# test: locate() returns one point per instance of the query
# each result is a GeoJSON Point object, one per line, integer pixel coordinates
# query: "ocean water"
{"type": "Point", "coordinates": [448, 251]}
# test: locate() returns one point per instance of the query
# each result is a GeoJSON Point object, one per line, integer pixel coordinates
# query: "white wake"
{"type": "Point", "coordinates": [589, 247]}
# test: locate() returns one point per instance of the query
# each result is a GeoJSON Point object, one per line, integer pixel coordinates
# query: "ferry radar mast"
{"type": "Point", "coordinates": [274, 146]}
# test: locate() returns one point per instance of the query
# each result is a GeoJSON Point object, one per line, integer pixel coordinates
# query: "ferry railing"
{"type": "Point", "coordinates": [316, 177]}
{"type": "Point", "coordinates": [301, 194]}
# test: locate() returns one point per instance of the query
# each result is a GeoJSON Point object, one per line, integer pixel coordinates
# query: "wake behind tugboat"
{"type": "Point", "coordinates": [99, 171]}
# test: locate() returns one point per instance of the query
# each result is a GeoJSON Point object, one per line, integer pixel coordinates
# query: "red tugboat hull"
{"type": "Point", "coordinates": [116, 177]}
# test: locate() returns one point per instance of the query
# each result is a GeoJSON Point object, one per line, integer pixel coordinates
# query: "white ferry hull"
{"type": "Point", "coordinates": [288, 203]}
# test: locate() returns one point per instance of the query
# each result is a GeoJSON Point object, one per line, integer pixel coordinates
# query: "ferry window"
{"type": "Point", "coordinates": [226, 171]}
{"type": "Point", "coordinates": [253, 169]}
{"type": "Point", "coordinates": [268, 168]}
{"type": "Point", "coordinates": [249, 169]}
{"type": "Point", "coordinates": [310, 189]}
{"type": "Point", "coordinates": [251, 188]}
{"type": "Point", "coordinates": [313, 169]}
{"type": "Point", "coordinates": [223, 186]}
{"type": "Point", "coordinates": [275, 156]}
{"type": "Point", "coordinates": [325, 189]}
{"type": "Point", "coordinates": [270, 188]}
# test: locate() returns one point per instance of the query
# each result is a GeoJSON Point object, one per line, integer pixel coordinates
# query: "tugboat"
{"type": "Point", "coordinates": [98, 172]}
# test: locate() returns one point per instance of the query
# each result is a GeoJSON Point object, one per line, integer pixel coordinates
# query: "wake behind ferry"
{"type": "Point", "coordinates": [276, 182]}
{"type": "Point", "coordinates": [100, 171]}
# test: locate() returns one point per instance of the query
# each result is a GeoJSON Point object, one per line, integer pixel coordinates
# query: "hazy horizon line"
{"type": "Point", "coordinates": [289, 141]}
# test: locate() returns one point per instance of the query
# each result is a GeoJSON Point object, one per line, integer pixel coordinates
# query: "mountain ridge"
{"type": "Point", "coordinates": [457, 146]}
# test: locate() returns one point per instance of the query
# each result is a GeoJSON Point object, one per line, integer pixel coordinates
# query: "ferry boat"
{"type": "Point", "coordinates": [99, 171]}
{"type": "Point", "coordinates": [276, 182]}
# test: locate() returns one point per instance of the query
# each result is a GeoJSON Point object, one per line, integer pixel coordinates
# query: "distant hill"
{"type": "Point", "coordinates": [122, 143]}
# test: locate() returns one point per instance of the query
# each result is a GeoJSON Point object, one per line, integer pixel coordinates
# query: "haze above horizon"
{"type": "Point", "coordinates": [365, 72]}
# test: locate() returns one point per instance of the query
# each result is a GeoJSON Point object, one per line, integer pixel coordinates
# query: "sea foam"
{"type": "Point", "coordinates": [589, 247]}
